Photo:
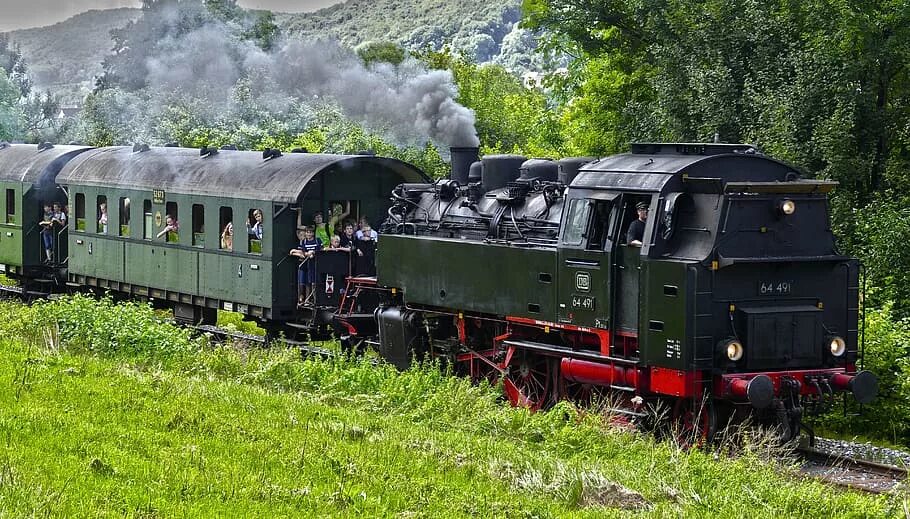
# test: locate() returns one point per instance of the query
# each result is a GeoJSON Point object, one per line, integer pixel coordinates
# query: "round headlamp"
{"type": "Point", "coordinates": [837, 346]}
{"type": "Point", "coordinates": [787, 206]}
{"type": "Point", "coordinates": [734, 350]}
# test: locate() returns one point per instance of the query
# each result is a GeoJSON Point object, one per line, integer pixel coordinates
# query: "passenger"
{"type": "Point", "coordinates": [636, 232]}
{"type": "Point", "coordinates": [254, 228]}
{"type": "Point", "coordinates": [102, 220]}
{"type": "Point", "coordinates": [366, 231]}
{"type": "Point", "coordinates": [306, 272]}
{"type": "Point", "coordinates": [337, 216]}
{"type": "Point", "coordinates": [347, 237]}
{"type": "Point", "coordinates": [365, 244]}
{"type": "Point", "coordinates": [59, 215]}
{"type": "Point", "coordinates": [227, 237]}
{"type": "Point", "coordinates": [47, 232]}
{"type": "Point", "coordinates": [170, 225]}
{"type": "Point", "coordinates": [321, 230]}
{"type": "Point", "coordinates": [335, 243]}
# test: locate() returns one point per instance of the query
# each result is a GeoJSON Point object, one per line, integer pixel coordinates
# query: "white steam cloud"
{"type": "Point", "coordinates": [408, 102]}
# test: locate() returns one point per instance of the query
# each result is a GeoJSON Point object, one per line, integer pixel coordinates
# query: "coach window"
{"type": "Point", "coordinates": [10, 206]}
{"type": "Point", "coordinates": [576, 222]}
{"type": "Point", "coordinates": [254, 229]}
{"type": "Point", "coordinates": [171, 223]}
{"type": "Point", "coordinates": [80, 212]}
{"type": "Point", "coordinates": [101, 214]}
{"type": "Point", "coordinates": [147, 220]}
{"type": "Point", "coordinates": [226, 224]}
{"type": "Point", "coordinates": [198, 225]}
{"type": "Point", "coordinates": [124, 216]}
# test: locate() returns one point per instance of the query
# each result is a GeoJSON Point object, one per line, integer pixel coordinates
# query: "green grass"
{"type": "Point", "coordinates": [155, 423]}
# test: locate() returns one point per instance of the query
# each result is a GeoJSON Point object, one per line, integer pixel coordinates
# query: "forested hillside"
{"type": "Point", "coordinates": [483, 30]}
{"type": "Point", "coordinates": [67, 55]}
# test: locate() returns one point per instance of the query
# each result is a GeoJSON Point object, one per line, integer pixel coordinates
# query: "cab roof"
{"type": "Point", "coordinates": [654, 166]}
{"type": "Point", "coordinates": [240, 174]}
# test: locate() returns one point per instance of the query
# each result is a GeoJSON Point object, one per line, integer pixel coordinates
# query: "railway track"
{"type": "Point", "coordinates": [306, 350]}
{"type": "Point", "coordinates": [852, 473]}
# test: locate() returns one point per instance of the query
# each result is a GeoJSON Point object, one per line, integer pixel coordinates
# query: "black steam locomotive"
{"type": "Point", "coordinates": [733, 300]}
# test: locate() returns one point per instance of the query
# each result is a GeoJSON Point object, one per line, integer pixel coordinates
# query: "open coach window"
{"type": "Point", "coordinates": [171, 222]}
{"type": "Point", "coordinates": [124, 216]}
{"type": "Point", "coordinates": [255, 230]}
{"type": "Point", "coordinates": [198, 225]}
{"type": "Point", "coordinates": [80, 212]}
{"type": "Point", "coordinates": [226, 224]}
{"type": "Point", "coordinates": [148, 220]}
{"type": "Point", "coordinates": [10, 206]}
{"type": "Point", "coordinates": [101, 214]}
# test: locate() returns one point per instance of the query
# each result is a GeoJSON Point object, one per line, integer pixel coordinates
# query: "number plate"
{"type": "Point", "coordinates": [583, 302]}
{"type": "Point", "coordinates": [775, 288]}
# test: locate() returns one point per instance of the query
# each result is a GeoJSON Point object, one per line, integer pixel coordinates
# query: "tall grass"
{"type": "Point", "coordinates": [109, 410]}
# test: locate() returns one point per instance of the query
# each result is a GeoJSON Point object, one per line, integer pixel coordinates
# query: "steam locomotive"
{"type": "Point", "coordinates": [736, 302]}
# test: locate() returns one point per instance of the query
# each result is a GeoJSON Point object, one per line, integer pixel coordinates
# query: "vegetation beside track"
{"type": "Point", "coordinates": [109, 410]}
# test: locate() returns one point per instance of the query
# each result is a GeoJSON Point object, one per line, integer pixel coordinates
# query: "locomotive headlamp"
{"type": "Point", "coordinates": [787, 206]}
{"type": "Point", "coordinates": [734, 350]}
{"type": "Point", "coordinates": [837, 346]}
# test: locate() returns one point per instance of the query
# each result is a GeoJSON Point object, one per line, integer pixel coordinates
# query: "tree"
{"type": "Point", "coordinates": [381, 51]}
{"type": "Point", "coordinates": [10, 114]}
{"type": "Point", "coordinates": [510, 117]}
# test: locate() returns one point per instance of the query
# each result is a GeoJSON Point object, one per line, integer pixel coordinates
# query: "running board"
{"type": "Point", "coordinates": [551, 349]}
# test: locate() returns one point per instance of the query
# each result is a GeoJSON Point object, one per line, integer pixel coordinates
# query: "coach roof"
{"type": "Point", "coordinates": [26, 163]}
{"type": "Point", "coordinates": [241, 174]}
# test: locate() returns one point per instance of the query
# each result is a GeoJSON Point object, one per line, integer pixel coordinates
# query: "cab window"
{"type": "Point", "coordinates": [576, 222]}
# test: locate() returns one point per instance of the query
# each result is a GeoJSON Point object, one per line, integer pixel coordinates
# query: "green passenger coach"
{"type": "Point", "coordinates": [154, 222]}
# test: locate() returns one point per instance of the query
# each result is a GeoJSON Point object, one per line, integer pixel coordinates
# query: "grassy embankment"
{"type": "Point", "coordinates": [104, 410]}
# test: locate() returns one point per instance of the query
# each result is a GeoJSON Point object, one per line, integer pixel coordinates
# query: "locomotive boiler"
{"type": "Point", "coordinates": [736, 302]}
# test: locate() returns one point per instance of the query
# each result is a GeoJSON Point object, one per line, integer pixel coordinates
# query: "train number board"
{"type": "Point", "coordinates": [157, 196]}
{"type": "Point", "coordinates": [775, 288]}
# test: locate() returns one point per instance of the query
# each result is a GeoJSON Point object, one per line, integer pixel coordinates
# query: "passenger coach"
{"type": "Point", "coordinates": [122, 200]}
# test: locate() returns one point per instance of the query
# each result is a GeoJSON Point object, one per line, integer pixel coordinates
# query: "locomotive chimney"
{"type": "Point", "coordinates": [462, 158]}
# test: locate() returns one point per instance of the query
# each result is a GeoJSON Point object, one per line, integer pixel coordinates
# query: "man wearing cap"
{"type": "Point", "coordinates": [636, 232]}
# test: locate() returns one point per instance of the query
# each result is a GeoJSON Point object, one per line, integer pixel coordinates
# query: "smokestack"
{"type": "Point", "coordinates": [462, 158]}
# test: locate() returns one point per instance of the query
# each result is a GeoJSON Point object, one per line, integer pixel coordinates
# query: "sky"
{"type": "Point", "coordinates": [21, 14]}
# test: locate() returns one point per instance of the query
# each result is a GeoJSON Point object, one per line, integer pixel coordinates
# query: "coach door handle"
{"type": "Point", "coordinates": [240, 270]}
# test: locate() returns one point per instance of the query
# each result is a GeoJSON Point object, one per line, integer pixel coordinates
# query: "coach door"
{"type": "Point", "coordinates": [584, 261]}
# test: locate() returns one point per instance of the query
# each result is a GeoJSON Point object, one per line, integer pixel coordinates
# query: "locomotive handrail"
{"type": "Point", "coordinates": [796, 186]}
{"type": "Point", "coordinates": [726, 262]}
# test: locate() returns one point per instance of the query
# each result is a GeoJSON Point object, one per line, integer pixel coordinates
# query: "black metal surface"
{"type": "Point", "coordinates": [499, 170]}
{"type": "Point", "coordinates": [462, 159]}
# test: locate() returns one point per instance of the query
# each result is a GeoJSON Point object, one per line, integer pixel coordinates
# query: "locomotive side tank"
{"type": "Point", "coordinates": [736, 302]}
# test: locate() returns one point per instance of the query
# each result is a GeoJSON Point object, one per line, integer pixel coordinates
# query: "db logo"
{"type": "Point", "coordinates": [583, 281]}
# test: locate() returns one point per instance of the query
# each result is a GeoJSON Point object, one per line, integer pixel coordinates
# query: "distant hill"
{"type": "Point", "coordinates": [478, 27]}
{"type": "Point", "coordinates": [66, 56]}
